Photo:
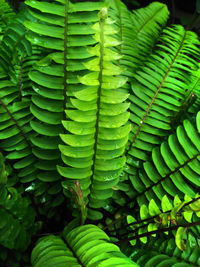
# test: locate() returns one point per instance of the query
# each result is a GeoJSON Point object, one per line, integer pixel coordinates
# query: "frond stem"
{"type": "Point", "coordinates": [154, 97]}
{"type": "Point", "coordinates": [162, 230]}
{"type": "Point", "coordinates": [149, 19]}
{"type": "Point", "coordinates": [65, 58]}
{"type": "Point", "coordinates": [100, 77]}
{"type": "Point", "coordinates": [16, 123]}
{"type": "Point", "coordinates": [165, 177]}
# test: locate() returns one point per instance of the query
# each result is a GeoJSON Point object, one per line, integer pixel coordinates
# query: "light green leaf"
{"type": "Point", "coordinates": [144, 212]}
{"type": "Point", "coordinates": [153, 208]}
{"type": "Point", "coordinates": [180, 234]}
{"type": "Point", "coordinates": [188, 215]}
{"type": "Point", "coordinates": [166, 204]}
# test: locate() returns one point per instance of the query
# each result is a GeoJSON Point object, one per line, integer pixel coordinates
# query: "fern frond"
{"type": "Point", "coordinates": [98, 134]}
{"type": "Point", "coordinates": [15, 130]}
{"type": "Point", "coordinates": [136, 32]}
{"type": "Point", "coordinates": [15, 107]}
{"type": "Point", "coordinates": [178, 217]}
{"type": "Point", "coordinates": [14, 45]}
{"type": "Point", "coordinates": [158, 92]}
{"type": "Point", "coordinates": [6, 15]}
{"type": "Point", "coordinates": [163, 252]}
{"type": "Point", "coordinates": [148, 23]}
{"type": "Point", "coordinates": [22, 70]}
{"type": "Point", "coordinates": [158, 96]}
{"type": "Point", "coordinates": [84, 246]}
{"type": "Point", "coordinates": [64, 28]}
{"type": "Point", "coordinates": [174, 168]}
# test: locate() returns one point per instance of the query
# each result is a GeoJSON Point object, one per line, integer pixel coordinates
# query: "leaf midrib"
{"type": "Point", "coordinates": [154, 97]}
{"type": "Point", "coordinates": [168, 175]}
{"type": "Point", "coordinates": [16, 123]}
{"type": "Point", "coordinates": [149, 19]}
{"type": "Point", "coordinates": [101, 24]}
{"type": "Point", "coordinates": [65, 58]}
{"type": "Point", "coordinates": [73, 252]}
{"type": "Point", "coordinates": [120, 30]}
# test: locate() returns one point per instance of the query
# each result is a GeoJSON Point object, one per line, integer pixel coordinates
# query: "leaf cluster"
{"type": "Point", "coordinates": [99, 132]}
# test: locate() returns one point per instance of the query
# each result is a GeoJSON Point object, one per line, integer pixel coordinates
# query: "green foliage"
{"type": "Point", "coordinates": [99, 126]}
{"type": "Point", "coordinates": [83, 246]}
{"type": "Point", "coordinates": [17, 220]}
{"type": "Point", "coordinates": [96, 157]}
{"type": "Point", "coordinates": [174, 165]}
{"type": "Point", "coordinates": [6, 16]}
{"type": "Point", "coordinates": [165, 253]}
{"type": "Point", "coordinates": [178, 217]}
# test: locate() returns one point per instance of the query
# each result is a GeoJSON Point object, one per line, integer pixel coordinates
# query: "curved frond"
{"type": "Point", "coordinates": [162, 252]}
{"type": "Point", "coordinates": [180, 218]}
{"type": "Point", "coordinates": [14, 45]}
{"type": "Point", "coordinates": [160, 88]}
{"type": "Point", "coordinates": [85, 246]}
{"type": "Point", "coordinates": [15, 130]}
{"type": "Point", "coordinates": [174, 168]}
{"type": "Point", "coordinates": [22, 69]}
{"type": "Point", "coordinates": [6, 15]}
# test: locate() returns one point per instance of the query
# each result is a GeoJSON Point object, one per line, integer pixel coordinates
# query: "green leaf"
{"type": "Point", "coordinates": [142, 231]}
{"type": "Point", "coordinates": [179, 238]}
{"type": "Point", "coordinates": [188, 216]}
{"type": "Point", "coordinates": [153, 208]}
{"type": "Point", "coordinates": [144, 212]}
{"type": "Point", "coordinates": [166, 204]}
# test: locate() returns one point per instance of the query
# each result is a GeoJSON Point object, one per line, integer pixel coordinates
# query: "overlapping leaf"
{"type": "Point", "coordinates": [174, 168]}
{"type": "Point", "coordinates": [136, 32]}
{"type": "Point", "coordinates": [6, 16]}
{"type": "Point", "coordinates": [84, 246]}
{"type": "Point", "coordinates": [97, 130]}
{"type": "Point", "coordinates": [15, 130]}
{"type": "Point", "coordinates": [14, 45]}
{"type": "Point", "coordinates": [64, 28]}
{"type": "Point", "coordinates": [158, 92]}
{"type": "Point", "coordinates": [16, 100]}
{"type": "Point", "coordinates": [162, 252]}
{"type": "Point", "coordinates": [15, 113]}
{"type": "Point", "coordinates": [22, 71]}
{"type": "Point", "coordinates": [180, 216]}
{"type": "Point", "coordinates": [158, 95]}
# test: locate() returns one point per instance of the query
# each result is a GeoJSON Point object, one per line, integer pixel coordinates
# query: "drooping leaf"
{"type": "Point", "coordinates": [83, 246]}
